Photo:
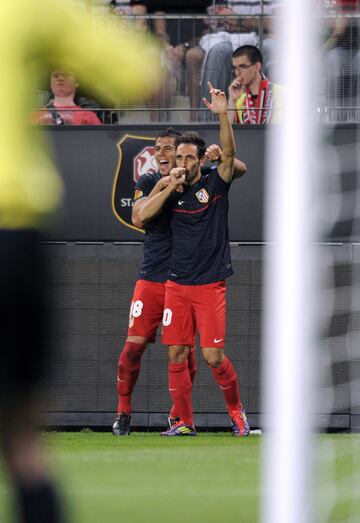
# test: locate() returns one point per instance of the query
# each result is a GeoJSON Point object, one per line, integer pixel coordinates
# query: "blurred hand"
{"type": "Point", "coordinates": [177, 176]}
{"type": "Point", "coordinates": [45, 118]}
{"type": "Point", "coordinates": [67, 117]}
{"type": "Point", "coordinates": [213, 153]}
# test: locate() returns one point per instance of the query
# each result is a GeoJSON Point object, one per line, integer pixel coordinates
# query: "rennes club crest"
{"type": "Point", "coordinates": [136, 157]}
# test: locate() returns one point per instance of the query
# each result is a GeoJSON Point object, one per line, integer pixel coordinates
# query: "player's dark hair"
{"type": "Point", "coordinates": [250, 51]}
{"type": "Point", "coordinates": [194, 138]}
{"type": "Point", "coordinates": [170, 131]}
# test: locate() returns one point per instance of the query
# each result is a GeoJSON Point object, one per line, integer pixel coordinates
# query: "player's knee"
{"type": "Point", "coordinates": [178, 354]}
{"type": "Point", "coordinates": [213, 357]}
{"type": "Point", "coordinates": [133, 350]}
{"type": "Point", "coordinates": [139, 340]}
{"type": "Point", "coordinates": [214, 362]}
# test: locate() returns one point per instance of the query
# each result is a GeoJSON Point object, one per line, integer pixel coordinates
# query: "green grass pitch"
{"type": "Point", "coordinates": [213, 478]}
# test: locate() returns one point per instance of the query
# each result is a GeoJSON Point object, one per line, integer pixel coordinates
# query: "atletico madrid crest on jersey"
{"type": "Point", "coordinates": [136, 157]}
{"type": "Point", "coordinates": [202, 196]}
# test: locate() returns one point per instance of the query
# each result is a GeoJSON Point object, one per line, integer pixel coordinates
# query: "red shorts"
{"type": "Point", "coordinates": [191, 308]}
{"type": "Point", "coordinates": [146, 309]}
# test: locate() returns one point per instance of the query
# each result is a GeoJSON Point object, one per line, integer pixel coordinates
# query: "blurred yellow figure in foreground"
{"type": "Point", "coordinates": [38, 36]}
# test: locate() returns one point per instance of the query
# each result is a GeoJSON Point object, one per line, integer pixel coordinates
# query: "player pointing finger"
{"type": "Point", "coordinates": [218, 104]}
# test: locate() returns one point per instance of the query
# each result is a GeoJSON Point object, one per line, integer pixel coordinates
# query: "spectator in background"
{"type": "Point", "coordinates": [227, 32]}
{"type": "Point", "coordinates": [177, 37]}
{"type": "Point", "coordinates": [339, 43]}
{"type": "Point", "coordinates": [164, 97]}
{"type": "Point", "coordinates": [65, 107]}
{"type": "Point", "coordinates": [253, 99]}
{"type": "Point", "coordinates": [182, 37]}
{"type": "Point", "coordinates": [225, 35]}
{"type": "Point", "coordinates": [133, 12]}
{"type": "Point", "coordinates": [131, 8]}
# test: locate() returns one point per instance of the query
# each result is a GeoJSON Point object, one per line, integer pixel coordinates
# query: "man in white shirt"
{"type": "Point", "coordinates": [234, 32]}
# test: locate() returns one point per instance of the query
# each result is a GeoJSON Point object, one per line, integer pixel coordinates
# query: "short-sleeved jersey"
{"type": "Point", "coordinates": [158, 237]}
{"type": "Point", "coordinates": [201, 249]}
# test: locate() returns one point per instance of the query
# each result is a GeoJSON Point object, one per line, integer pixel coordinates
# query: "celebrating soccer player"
{"type": "Point", "coordinates": [200, 263]}
{"type": "Point", "coordinates": [147, 304]}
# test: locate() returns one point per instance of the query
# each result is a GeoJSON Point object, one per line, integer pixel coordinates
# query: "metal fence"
{"type": "Point", "coordinates": [198, 48]}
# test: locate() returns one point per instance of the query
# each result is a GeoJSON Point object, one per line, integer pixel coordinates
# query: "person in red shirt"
{"type": "Point", "coordinates": [65, 108]}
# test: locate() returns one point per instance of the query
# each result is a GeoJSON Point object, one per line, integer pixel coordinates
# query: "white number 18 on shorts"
{"type": "Point", "coordinates": [135, 311]}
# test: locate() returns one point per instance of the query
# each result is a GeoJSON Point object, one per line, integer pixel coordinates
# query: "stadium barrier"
{"type": "Point", "coordinates": [339, 78]}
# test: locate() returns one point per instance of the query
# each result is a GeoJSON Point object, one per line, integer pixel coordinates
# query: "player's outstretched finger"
{"type": "Point", "coordinates": [211, 89]}
{"type": "Point", "coordinates": [206, 102]}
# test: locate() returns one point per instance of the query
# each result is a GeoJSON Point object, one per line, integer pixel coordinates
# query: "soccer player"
{"type": "Point", "coordinates": [147, 304]}
{"type": "Point", "coordinates": [200, 263]}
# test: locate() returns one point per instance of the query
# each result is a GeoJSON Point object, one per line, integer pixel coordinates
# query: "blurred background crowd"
{"type": "Point", "coordinates": [198, 39]}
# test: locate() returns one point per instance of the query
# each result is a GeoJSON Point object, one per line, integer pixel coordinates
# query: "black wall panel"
{"type": "Point", "coordinates": [91, 288]}
{"type": "Point", "coordinates": [89, 162]}
{"type": "Point", "coordinates": [98, 184]}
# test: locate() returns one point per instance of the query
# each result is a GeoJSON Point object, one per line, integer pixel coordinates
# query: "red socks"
{"type": "Point", "coordinates": [192, 366]}
{"type": "Point", "coordinates": [128, 372]}
{"type": "Point", "coordinates": [180, 388]}
{"type": "Point", "coordinates": [226, 378]}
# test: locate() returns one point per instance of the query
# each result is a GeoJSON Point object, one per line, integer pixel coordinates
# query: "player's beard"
{"type": "Point", "coordinates": [190, 175]}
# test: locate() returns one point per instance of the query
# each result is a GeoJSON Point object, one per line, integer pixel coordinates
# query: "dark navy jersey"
{"type": "Point", "coordinates": [201, 249]}
{"type": "Point", "coordinates": [158, 237]}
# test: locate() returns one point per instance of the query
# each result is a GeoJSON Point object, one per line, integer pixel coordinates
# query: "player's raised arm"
{"type": "Point", "coordinates": [219, 106]}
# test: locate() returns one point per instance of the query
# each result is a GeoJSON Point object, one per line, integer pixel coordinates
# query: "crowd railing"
{"type": "Point", "coordinates": [190, 42]}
